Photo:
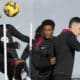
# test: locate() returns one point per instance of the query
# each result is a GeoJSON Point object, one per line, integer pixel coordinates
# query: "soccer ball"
{"type": "Point", "coordinates": [11, 9]}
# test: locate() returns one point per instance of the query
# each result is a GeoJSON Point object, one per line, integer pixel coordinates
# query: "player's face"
{"type": "Point", "coordinates": [76, 28]}
{"type": "Point", "coordinates": [48, 31]}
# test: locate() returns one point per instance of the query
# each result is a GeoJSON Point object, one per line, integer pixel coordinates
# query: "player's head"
{"type": "Point", "coordinates": [74, 25]}
{"type": "Point", "coordinates": [17, 66]}
{"type": "Point", "coordinates": [48, 26]}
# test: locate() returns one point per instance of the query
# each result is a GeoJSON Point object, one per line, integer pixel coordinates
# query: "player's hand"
{"type": "Point", "coordinates": [18, 47]}
{"type": "Point", "coordinates": [53, 60]}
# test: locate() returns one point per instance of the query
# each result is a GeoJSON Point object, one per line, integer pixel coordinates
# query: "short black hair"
{"type": "Point", "coordinates": [74, 19]}
{"type": "Point", "coordinates": [48, 22]}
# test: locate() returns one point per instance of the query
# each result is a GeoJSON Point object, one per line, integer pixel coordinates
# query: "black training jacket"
{"type": "Point", "coordinates": [65, 45]}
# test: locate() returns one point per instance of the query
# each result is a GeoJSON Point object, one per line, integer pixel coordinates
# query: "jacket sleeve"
{"type": "Point", "coordinates": [26, 53]}
{"type": "Point", "coordinates": [51, 51]}
{"type": "Point", "coordinates": [12, 45]}
{"type": "Point", "coordinates": [73, 42]}
{"type": "Point", "coordinates": [17, 34]}
{"type": "Point", "coordinates": [51, 48]}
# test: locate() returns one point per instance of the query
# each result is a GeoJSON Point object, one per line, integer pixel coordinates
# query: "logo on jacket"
{"type": "Point", "coordinates": [43, 48]}
{"type": "Point", "coordinates": [7, 39]}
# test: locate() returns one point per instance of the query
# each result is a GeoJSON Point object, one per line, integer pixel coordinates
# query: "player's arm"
{"type": "Point", "coordinates": [26, 53]}
{"type": "Point", "coordinates": [17, 34]}
{"type": "Point", "coordinates": [73, 42]}
{"type": "Point", "coordinates": [12, 45]}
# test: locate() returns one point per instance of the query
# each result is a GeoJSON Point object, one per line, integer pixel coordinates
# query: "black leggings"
{"type": "Point", "coordinates": [62, 77]}
{"type": "Point", "coordinates": [46, 75]}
